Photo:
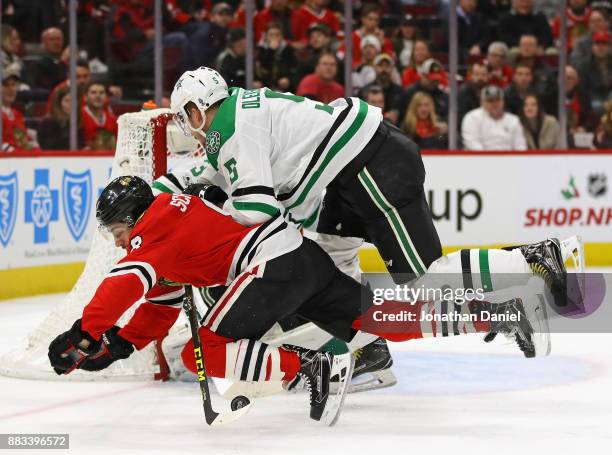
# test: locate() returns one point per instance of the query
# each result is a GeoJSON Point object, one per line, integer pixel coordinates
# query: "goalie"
{"type": "Point", "coordinates": [271, 272]}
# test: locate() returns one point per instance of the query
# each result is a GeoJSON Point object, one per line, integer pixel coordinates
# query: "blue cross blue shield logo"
{"type": "Point", "coordinates": [8, 206]}
{"type": "Point", "coordinates": [41, 206]}
{"type": "Point", "coordinates": [76, 197]}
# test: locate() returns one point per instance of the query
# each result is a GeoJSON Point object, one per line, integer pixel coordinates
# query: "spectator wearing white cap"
{"type": "Point", "coordinates": [491, 128]}
{"type": "Point", "coordinates": [365, 73]}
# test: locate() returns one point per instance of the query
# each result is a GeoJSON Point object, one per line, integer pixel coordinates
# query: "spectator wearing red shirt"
{"type": "Point", "coordinates": [577, 15]}
{"type": "Point", "coordinates": [420, 53]}
{"type": "Point", "coordinates": [132, 35]}
{"type": "Point", "coordinates": [321, 85]}
{"type": "Point", "coordinates": [15, 135]}
{"type": "Point", "coordinates": [370, 21]}
{"type": "Point", "coordinates": [98, 123]}
{"type": "Point", "coordinates": [312, 12]}
{"type": "Point", "coordinates": [500, 73]}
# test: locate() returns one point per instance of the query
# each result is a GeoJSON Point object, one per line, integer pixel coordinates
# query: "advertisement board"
{"type": "Point", "coordinates": [47, 205]}
{"type": "Point", "coordinates": [500, 198]}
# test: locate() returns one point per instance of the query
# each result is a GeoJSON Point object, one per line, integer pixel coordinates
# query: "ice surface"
{"type": "Point", "coordinates": [455, 395]}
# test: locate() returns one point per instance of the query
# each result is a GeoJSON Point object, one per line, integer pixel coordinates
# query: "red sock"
{"type": "Point", "coordinates": [289, 364]}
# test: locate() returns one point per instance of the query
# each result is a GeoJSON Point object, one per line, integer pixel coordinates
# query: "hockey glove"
{"type": "Point", "coordinates": [210, 193]}
{"type": "Point", "coordinates": [68, 350]}
{"type": "Point", "coordinates": [113, 347]}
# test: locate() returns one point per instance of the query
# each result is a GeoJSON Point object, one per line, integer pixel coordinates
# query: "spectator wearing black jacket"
{"type": "Point", "coordinates": [596, 72]}
{"type": "Point", "coordinates": [230, 63]}
{"type": "Point", "coordinates": [385, 68]}
{"type": "Point", "coordinates": [522, 85]}
{"type": "Point", "coordinates": [209, 40]}
{"type": "Point", "coordinates": [522, 20]}
{"type": "Point", "coordinates": [319, 42]}
{"type": "Point", "coordinates": [54, 130]}
{"type": "Point", "coordinates": [474, 35]}
{"type": "Point", "coordinates": [50, 69]}
{"type": "Point", "coordinates": [544, 80]}
{"type": "Point", "coordinates": [276, 61]}
{"type": "Point", "coordinates": [469, 93]}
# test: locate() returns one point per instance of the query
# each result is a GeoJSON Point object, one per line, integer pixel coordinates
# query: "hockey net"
{"type": "Point", "coordinates": [146, 142]}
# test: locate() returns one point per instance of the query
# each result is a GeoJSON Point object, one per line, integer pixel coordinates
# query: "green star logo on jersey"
{"type": "Point", "coordinates": [213, 142]}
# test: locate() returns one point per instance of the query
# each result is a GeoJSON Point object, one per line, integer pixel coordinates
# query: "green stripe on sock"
{"type": "Point", "coordinates": [335, 346]}
{"type": "Point", "coordinates": [485, 273]}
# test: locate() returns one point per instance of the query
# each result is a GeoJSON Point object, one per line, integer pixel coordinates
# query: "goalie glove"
{"type": "Point", "coordinates": [210, 193]}
{"type": "Point", "coordinates": [77, 349]}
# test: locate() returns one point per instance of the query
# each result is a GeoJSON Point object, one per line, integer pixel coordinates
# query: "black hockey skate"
{"type": "Point", "coordinates": [372, 357]}
{"type": "Point", "coordinates": [317, 368]}
{"type": "Point", "coordinates": [521, 329]}
{"type": "Point", "coordinates": [546, 261]}
{"type": "Point", "coordinates": [375, 359]}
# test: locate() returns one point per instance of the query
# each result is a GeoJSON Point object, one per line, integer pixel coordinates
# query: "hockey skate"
{"type": "Point", "coordinates": [519, 324]}
{"type": "Point", "coordinates": [372, 367]}
{"type": "Point", "coordinates": [315, 373]}
{"type": "Point", "coordinates": [547, 260]}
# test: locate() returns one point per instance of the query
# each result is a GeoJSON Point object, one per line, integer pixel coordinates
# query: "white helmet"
{"type": "Point", "coordinates": [203, 87]}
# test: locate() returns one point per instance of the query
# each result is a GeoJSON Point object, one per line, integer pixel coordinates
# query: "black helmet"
{"type": "Point", "coordinates": [123, 201]}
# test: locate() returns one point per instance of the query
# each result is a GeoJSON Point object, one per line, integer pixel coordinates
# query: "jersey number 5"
{"type": "Point", "coordinates": [230, 165]}
{"type": "Point", "coordinates": [181, 201]}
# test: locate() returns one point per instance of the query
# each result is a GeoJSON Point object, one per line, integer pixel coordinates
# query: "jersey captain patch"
{"type": "Point", "coordinates": [213, 142]}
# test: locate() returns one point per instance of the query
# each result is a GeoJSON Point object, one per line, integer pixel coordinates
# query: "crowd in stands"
{"type": "Point", "coordinates": [508, 65]}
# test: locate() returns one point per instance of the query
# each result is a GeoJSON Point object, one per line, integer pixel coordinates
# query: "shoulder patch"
{"type": "Point", "coordinates": [223, 125]}
{"type": "Point", "coordinates": [213, 142]}
{"type": "Point", "coordinates": [136, 242]}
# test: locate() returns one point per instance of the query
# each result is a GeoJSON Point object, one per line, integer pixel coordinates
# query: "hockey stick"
{"type": "Point", "coordinates": [212, 417]}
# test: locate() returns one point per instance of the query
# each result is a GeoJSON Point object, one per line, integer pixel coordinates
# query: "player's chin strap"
{"type": "Point", "coordinates": [212, 417]}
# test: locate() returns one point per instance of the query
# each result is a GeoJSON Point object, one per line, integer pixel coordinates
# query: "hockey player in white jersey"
{"type": "Point", "coordinates": [337, 169]}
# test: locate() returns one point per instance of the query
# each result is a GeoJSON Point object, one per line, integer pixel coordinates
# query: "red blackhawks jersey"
{"type": "Point", "coordinates": [179, 239]}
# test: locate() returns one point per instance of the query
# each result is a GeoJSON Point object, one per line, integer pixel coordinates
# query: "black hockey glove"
{"type": "Point", "coordinates": [210, 193]}
{"type": "Point", "coordinates": [68, 350]}
{"type": "Point", "coordinates": [113, 347]}
{"type": "Point", "coordinates": [77, 349]}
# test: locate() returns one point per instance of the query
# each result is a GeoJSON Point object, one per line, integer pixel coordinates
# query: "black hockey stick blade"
{"type": "Point", "coordinates": [212, 418]}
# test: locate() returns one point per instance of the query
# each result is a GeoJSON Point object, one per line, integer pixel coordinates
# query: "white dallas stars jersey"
{"type": "Point", "coordinates": [278, 152]}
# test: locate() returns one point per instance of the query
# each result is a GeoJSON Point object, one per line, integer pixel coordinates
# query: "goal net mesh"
{"type": "Point", "coordinates": [142, 149]}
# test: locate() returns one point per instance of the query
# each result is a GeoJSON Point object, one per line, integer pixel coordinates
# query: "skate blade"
{"type": "Point", "coordinates": [539, 321]}
{"type": "Point", "coordinates": [380, 379]}
{"type": "Point", "coordinates": [342, 365]}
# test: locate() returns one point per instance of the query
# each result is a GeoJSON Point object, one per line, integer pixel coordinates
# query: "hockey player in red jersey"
{"type": "Point", "coordinates": [271, 272]}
